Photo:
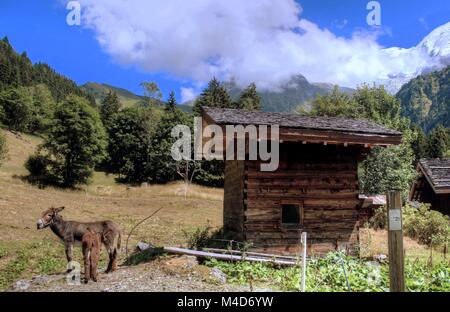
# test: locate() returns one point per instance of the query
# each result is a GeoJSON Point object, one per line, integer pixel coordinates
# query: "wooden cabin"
{"type": "Point", "coordinates": [369, 205]}
{"type": "Point", "coordinates": [314, 189]}
{"type": "Point", "coordinates": [433, 184]}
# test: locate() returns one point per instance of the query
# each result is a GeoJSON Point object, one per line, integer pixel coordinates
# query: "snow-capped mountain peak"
{"type": "Point", "coordinates": [432, 53]}
{"type": "Point", "coordinates": [437, 43]}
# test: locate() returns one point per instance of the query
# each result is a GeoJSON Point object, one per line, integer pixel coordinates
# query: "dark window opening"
{"type": "Point", "coordinates": [290, 214]}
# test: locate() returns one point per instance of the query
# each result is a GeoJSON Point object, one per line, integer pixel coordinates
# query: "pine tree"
{"type": "Point", "coordinates": [419, 144]}
{"type": "Point", "coordinates": [215, 95]}
{"type": "Point", "coordinates": [109, 107]}
{"type": "Point", "coordinates": [438, 142]}
{"type": "Point", "coordinates": [16, 105]}
{"type": "Point", "coordinates": [42, 109]}
{"type": "Point", "coordinates": [171, 103]}
{"type": "Point", "coordinates": [249, 98]}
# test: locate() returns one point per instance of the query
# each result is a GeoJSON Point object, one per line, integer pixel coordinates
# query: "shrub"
{"type": "Point", "coordinates": [426, 226]}
{"type": "Point", "coordinates": [37, 165]}
{"type": "Point", "coordinates": [379, 219]}
{"type": "Point", "coordinates": [203, 237]}
{"type": "Point", "coordinates": [327, 274]}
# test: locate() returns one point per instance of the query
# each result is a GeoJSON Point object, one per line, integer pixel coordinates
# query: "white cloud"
{"type": "Point", "coordinates": [188, 94]}
{"type": "Point", "coordinates": [260, 41]}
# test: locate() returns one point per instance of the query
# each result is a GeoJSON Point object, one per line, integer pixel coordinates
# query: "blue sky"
{"type": "Point", "coordinates": [40, 29]}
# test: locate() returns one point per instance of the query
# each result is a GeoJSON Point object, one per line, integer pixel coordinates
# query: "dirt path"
{"type": "Point", "coordinates": [177, 274]}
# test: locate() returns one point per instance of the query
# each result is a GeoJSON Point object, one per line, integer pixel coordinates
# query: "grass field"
{"type": "Point", "coordinates": [25, 251]}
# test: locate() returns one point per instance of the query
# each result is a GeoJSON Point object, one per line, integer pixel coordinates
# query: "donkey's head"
{"type": "Point", "coordinates": [48, 217]}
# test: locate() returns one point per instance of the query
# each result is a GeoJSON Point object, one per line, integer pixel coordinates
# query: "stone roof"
{"type": "Point", "coordinates": [437, 172]}
{"type": "Point", "coordinates": [223, 116]}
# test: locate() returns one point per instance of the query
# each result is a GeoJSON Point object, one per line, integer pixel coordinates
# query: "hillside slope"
{"type": "Point", "coordinates": [100, 90]}
{"type": "Point", "coordinates": [18, 70]}
{"type": "Point", "coordinates": [426, 99]}
{"type": "Point", "coordinates": [297, 92]}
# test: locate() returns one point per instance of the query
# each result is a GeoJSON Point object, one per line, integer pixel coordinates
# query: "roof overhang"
{"type": "Point", "coordinates": [318, 136]}
{"type": "Point", "coordinates": [436, 189]}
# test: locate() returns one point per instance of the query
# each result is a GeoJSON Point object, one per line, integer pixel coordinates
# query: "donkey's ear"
{"type": "Point", "coordinates": [59, 209]}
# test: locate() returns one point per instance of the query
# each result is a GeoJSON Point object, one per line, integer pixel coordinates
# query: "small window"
{"type": "Point", "coordinates": [290, 214]}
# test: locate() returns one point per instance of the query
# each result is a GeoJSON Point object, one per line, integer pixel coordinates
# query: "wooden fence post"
{"type": "Point", "coordinates": [305, 246]}
{"type": "Point", "coordinates": [395, 241]}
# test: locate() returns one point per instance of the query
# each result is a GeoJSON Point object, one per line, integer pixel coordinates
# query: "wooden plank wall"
{"type": "Point", "coordinates": [322, 179]}
{"type": "Point", "coordinates": [233, 210]}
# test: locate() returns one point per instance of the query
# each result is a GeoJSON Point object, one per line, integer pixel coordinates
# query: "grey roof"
{"type": "Point", "coordinates": [437, 172]}
{"type": "Point", "coordinates": [223, 116]}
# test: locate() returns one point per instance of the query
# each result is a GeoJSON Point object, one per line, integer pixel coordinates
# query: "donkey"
{"type": "Point", "coordinates": [72, 232]}
{"type": "Point", "coordinates": [91, 245]}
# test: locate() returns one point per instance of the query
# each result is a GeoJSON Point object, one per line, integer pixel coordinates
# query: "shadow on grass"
{"type": "Point", "coordinates": [143, 256]}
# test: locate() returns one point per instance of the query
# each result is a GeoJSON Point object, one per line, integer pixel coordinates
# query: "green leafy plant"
{"type": "Point", "coordinates": [327, 275]}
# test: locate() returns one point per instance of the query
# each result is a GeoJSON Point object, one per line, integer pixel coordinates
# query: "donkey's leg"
{"type": "Point", "coordinates": [94, 262]}
{"type": "Point", "coordinates": [112, 264]}
{"type": "Point", "coordinates": [108, 248]}
{"type": "Point", "coordinates": [114, 260]}
{"type": "Point", "coordinates": [69, 254]}
{"type": "Point", "coordinates": [87, 266]}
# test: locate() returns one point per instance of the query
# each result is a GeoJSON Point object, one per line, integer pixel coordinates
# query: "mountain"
{"type": "Point", "coordinates": [297, 92]}
{"type": "Point", "coordinates": [100, 90]}
{"type": "Point", "coordinates": [431, 54]}
{"type": "Point", "coordinates": [426, 99]}
{"type": "Point", "coordinates": [18, 70]}
{"type": "Point", "coordinates": [127, 98]}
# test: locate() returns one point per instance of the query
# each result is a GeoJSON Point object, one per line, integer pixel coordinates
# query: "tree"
{"type": "Point", "coordinates": [75, 143]}
{"type": "Point", "coordinates": [109, 107]}
{"type": "Point", "coordinates": [215, 95]}
{"type": "Point", "coordinates": [171, 103]}
{"type": "Point", "coordinates": [42, 109]}
{"type": "Point", "coordinates": [336, 104]}
{"type": "Point", "coordinates": [130, 137]}
{"type": "Point", "coordinates": [389, 168]}
{"type": "Point", "coordinates": [249, 98]}
{"type": "Point", "coordinates": [385, 168]}
{"type": "Point", "coordinates": [419, 144]}
{"type": "Point", "coordinates": [162, 167]}
{"type": "Point", "coordinates": [3, 149]}
{"type": "Point", "coordinates": [438, 142]}
{"type": "Point", "coordinates": [152, 93]}
{"type": "Point", "coordinates": [16, 104]}
{"type": "Point", "coordinates": [380, 106]}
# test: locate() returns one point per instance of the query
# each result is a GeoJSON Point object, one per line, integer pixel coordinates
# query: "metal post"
{"type": "Point", "coordinates": [395, 242]}
{"type": "Point", "coordinates": [303, 281]}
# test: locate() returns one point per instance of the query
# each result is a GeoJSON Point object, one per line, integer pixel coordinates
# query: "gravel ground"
{"type": "Point", "coordinates": [177, 274]}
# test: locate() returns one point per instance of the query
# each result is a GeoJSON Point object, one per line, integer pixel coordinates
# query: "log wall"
{"type": "Point", "coordinates": [233, 210]}
{"type": "Point", "coordinates": [322, 180]}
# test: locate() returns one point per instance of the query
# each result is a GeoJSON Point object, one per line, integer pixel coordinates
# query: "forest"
{"type": "Point", "coordinates": [133, 142]}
